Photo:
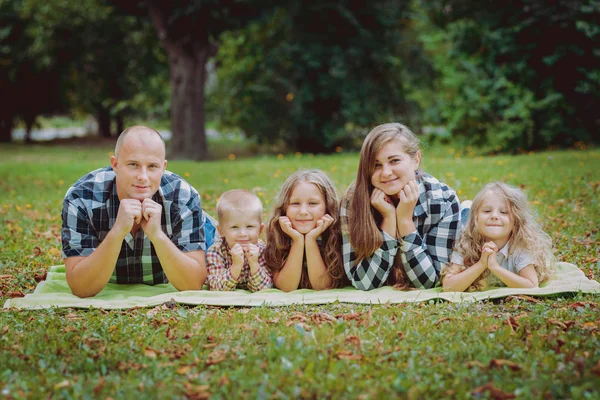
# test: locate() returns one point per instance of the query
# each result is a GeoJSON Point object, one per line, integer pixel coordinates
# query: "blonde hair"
{"type": "Point", "coordinates": [279, 243]}
{"type": "Point", "coordinates": [363, 219]}
{"type": "Point", "coordinates": [527, 235]}
{"type": "Point", "coordinates": [239, 199]}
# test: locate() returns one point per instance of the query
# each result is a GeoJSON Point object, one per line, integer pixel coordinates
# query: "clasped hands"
{"type": "Point", "coordinates": [488, 255]}
{"type": "Point", "coordinates": [146, 213]}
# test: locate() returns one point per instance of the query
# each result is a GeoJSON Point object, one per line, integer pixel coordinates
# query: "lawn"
{"type": "Point", "coordinates": [519, 346]}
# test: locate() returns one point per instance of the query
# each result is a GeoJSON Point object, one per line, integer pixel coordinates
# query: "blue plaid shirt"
{"type": "Point", "coordinates": [424, 251]}
{"type": "Point", "coordinates": [90, 210]}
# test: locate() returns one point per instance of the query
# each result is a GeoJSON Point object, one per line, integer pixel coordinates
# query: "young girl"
{"type": "Point", "coordinates": [303, 249]}
{"type": "Point", "coordinates": [398, 223]}
{"type": "Point", "coordinates": [501, 237]}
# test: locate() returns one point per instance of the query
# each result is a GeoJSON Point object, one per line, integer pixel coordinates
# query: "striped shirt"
{"type": "Point", "coordinates": [90, 210]}
{"type": "Point", "coordinates": [423, 252]}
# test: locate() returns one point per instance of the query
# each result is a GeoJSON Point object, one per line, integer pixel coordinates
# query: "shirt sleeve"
{"type": "Point", "coordinates": [370, 272]}
{"type": "Point", "coordinates": [79, 237]}
{"type": "Point", "coordinates": [523, 259]}
{"type": "Point", "coordinates": [188, 227]}
{"type": "Point", "coordinates": [219, 274]}
{"type": "Point", "coordinates": [424, 255]}
{"type": "Point", "coordinates": [262, 278]}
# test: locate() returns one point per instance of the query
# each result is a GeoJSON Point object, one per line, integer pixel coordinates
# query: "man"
{"type": "Point", "coordinates": [133, 222]}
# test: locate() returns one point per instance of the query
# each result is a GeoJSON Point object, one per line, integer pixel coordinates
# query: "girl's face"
{"type": "Point", "coordinates": [306, 207]}
{"type": "Point", "coordinates": [394, 168]}
{"type": "Point", "coordinates": [494, 219]}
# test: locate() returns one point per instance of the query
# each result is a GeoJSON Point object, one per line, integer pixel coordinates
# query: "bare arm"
{"type": "Point", "coordinates": [288, 278]}
{"type": "Point", "coordinates": [317, 270]}
{"type": "Point", "coordinates": [527, 277]}
{"type": "Point", "coordinates": [461, 281]}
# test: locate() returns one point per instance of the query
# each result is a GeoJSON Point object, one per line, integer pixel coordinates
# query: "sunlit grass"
{"type": "Point", "coordinates": [530, 349]}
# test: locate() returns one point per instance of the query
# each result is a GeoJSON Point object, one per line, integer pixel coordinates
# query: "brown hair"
{"type": "Point", "coordinates": [363, 219]}
{"type": "Point", "coordinates": [279, 243]}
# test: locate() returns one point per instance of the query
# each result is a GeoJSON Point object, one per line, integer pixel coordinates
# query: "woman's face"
{"type": "Point", "coordinates": [394, 168]}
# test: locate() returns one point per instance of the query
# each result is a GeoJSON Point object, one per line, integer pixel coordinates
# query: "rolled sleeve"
{"type": "Point", "coordinates": [78, 235]}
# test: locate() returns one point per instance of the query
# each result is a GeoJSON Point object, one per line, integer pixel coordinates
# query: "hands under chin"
{"type": "Point", "coordinates": [146, 213]}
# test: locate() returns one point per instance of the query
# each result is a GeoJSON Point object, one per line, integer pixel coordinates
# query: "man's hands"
{"type": "Point", "coordinates": [147, 214]}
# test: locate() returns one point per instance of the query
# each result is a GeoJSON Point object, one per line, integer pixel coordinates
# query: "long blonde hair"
{"type": "Point", "coordinates": [279, 243]}
{"type": "Point", "coordinates": [363, 219]}
{"type": "Point", "coordinates": [527, 235]}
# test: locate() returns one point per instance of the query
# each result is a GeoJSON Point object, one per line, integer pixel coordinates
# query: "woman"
{"type": "Point", "coordinates": [398, 223]}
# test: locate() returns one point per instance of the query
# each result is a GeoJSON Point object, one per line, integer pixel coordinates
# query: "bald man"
{"type": "Point", "coordinates": [133, 222]}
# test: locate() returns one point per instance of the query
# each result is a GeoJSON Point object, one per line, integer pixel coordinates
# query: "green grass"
{"type": "Point", "coordinates": [532, 349]}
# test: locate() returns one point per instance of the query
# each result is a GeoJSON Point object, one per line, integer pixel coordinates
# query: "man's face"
{"type": "Point", "coordinates": [139, 165]}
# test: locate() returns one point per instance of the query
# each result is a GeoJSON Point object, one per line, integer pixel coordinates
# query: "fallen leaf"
{"type": "Point", "coordinates": [98, 387]}
{"type": "Point", "coordinates": [558, 323]}
{"type": "Point", "coordinates": [184, 369]}
{"type": "Point", "coordinates": [37, 250]}
{"type": "Point", "coordinates": [352, 339]}
{"type": "Point", "coordinates": [495, 393]}
{"type": "Point", "coordinates": [149, 352]}
{"type": "Point", "coordinates": [596, 369]}
{"type": "Point", "coordinates": [507, 363]}
{"type": "Point", "coordinates": [475, 364]}
{"type": "Point", "coordinates": [347, 355]}
{"type": "Point", "coordinates": [439, 321]}
{"type": "Point", "coordinates": [62, 385]}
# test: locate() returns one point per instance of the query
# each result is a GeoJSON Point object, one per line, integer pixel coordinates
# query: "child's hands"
{"type": "Point", "coordinates": [408, 200]}
{"type": "Point", "coordinates": [488, 253]}
{"type": "Point", "coordinates": [322, 225]}
{"type": "Point", "coordinates": [286, 227]}
{"type": "Point", "coordinates": [252, 252]}
{"type": "Point", "coordinates": [382, 203]}
{"type": "Point", "coordinates": [237, 254]}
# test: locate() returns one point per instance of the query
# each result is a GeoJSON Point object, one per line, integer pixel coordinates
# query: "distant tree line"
{"type": "Point", "coordinates": [314, 74]}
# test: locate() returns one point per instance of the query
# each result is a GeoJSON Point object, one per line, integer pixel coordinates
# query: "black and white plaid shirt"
{"type": "Point", "coordinates": [424, 251]}
{"type": "Point", "coordinates": [90, 210]}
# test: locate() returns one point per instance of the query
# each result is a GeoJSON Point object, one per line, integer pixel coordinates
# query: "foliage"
{"type": "Point", "coordinates": [317, 73]}
{"type": "Point", "coordinates": [522, 347]}
{"type": "Point", "coordinates": [514, 75]}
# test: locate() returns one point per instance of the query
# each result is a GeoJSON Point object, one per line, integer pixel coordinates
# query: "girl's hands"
{"type": "Point", "coordinates": [488, 250]}
{"type": "Point", "coordinates": [408, 200]}
{"type": "Point", "coordinates": [322, 225]}
{"type": "Point", "coordinates": [382, 203]}
{"type": "Point", "coordinates": [286, 227]}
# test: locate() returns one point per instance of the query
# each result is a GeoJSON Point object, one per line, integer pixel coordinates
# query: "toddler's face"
{"type": "Point", "coordinates": [240, 226]}
{"type": "Point", "coordinates": [307, 206]}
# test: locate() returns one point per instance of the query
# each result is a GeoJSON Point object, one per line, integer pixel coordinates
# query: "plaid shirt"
{"type": "Point", "coordinates": [90, 210]}
{"type": "Point", "coordinates": [424, 251]}
{"type": "Point", "coordinates": [219, 263]}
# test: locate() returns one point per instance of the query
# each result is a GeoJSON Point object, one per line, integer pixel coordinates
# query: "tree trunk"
{"type": "Point", "coordinates": [103, 117]}
{"type": "Point", "coordinates": [187, 64]}
{"type": "Point", "coordinates": [6, 125]}
{"type": "Point", "coordinates": [120, 123]}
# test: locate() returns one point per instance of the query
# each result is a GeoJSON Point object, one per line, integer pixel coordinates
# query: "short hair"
{"type": "Point", "coordinates": [239, 199]}
{"type": "Point", "coordinates": [135, 128]}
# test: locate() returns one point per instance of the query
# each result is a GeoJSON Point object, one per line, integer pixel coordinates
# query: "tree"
{"type": "Point", "coordinates": [520, 74]}
{"type": "Point", "coordinates": [189, 32]}
{"type": "Point", "coordinates": [108, 56]}
{"type": "Point", "coordinates": [318, 72]}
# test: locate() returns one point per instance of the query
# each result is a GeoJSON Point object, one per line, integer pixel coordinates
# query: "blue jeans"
{"type": "Point", "coordinates": [210, 230]}
{"type": "Point", "coordinates": [465, 210]}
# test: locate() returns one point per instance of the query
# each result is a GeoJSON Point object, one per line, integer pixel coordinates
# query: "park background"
{"type": "Point", "coordinates": [248, 92]}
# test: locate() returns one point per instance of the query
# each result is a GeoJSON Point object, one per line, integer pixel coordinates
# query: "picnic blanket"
{"type": "Point", "coordinates": [54, 292]}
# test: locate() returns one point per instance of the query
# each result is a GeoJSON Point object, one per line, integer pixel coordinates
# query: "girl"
{"type": "Point", "coordinates": [501, 237]}
{"type": "Point", "coordinates": [398, 224]}
{"type": "Point", "coordinates": [303, 249]}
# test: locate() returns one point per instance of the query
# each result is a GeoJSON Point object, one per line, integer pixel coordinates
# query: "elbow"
{"type": "Point", "coordinates": [82, 293]}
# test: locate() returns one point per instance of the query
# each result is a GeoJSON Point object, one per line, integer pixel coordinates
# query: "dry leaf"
{"type": "Point", "coordinates": [352, 339]}
{"type": "Point", "coordinates": [510, 364]}
{"type": "Point", "coordinates": [100, 385]}
{"type": "Point", "coordinates": [62, 385]}
{"type": "Point", "coordinates": [149, 352]}
{"type": "Point", "coordinates": [495, 393]}
{"type": "Point", "coordinates": [184, 369]}
{"type": "Point", "coordinates": [347, 355]}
